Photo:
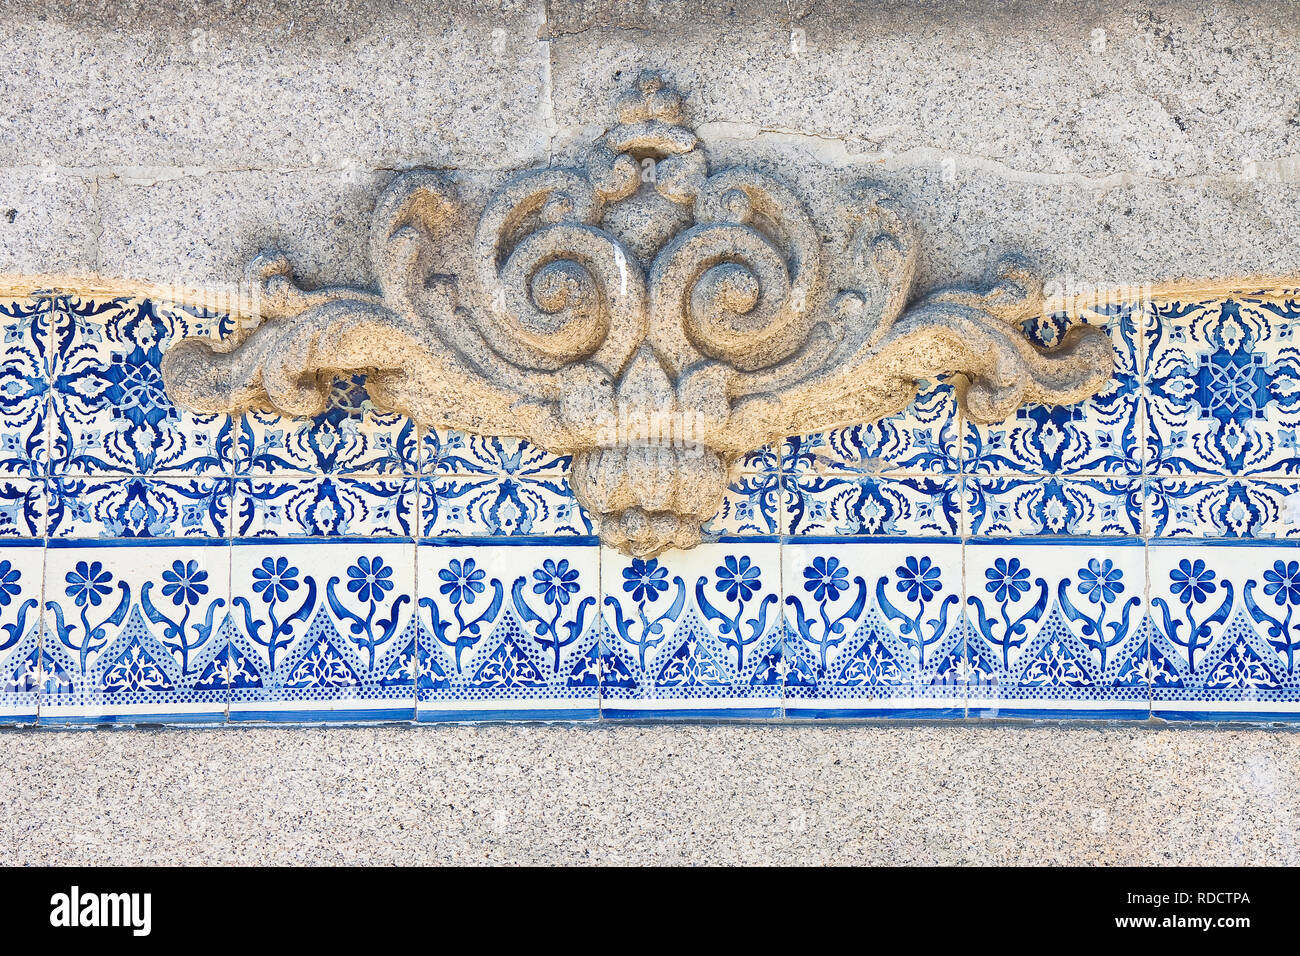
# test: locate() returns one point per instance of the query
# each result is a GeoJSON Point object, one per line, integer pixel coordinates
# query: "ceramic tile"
{"type": "Point", "coordinates": [134, 632]}
{"type": "Point", "coordinates": [1001, 507]}
{"type": "Point", "coordinates": [1099, 436]}
{"type": "Point", "coordinates": [23, 508]}
{"type": "Point", "coordinates": [922, 439]}
{"type": "Point", "coordinates": [1225, 631]}
{"type": "Point", "coordinates": [322, 631]}
{"type": "Point", "coordinates": [324, 507]}
{"type": "Point", "coordinates": [1056, 629]}
{"type": "Point", "coordinates": [1224, 384]}
{"type": "Point", "coordinates": [349, 437]}
{"type": "Point", "coordinates": [752, 505]}
{"type": "Point", "coordinates": [872, 628]}
{"type": "Point", "coordinates": [21, 583]}
{"type": "Point", "coordinates": [1222, 508]}
{"type": "Point", "coordinates": [692, 633]}
{"type": "Point", "coordinates": [861, 505]}
{"type": "Point", "coordinates": [121, 507]}
{"type": "Point", "coordinates": [446, 452]}
{"type": "Point", "coordinates": [24, 385]}
{"type": "Point", "coordinates": [508, 632]}
{"type": "Point", "coordinates": [483, 506]}
{"type": "Point", "coordinates": [110, 412]}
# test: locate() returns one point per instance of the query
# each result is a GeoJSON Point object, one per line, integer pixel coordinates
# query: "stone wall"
{"type": "Point", "coordinates": [165, 566]}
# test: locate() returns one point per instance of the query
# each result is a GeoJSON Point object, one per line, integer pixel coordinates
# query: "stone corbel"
{"type": "Point", "coordinates": [655, 347]}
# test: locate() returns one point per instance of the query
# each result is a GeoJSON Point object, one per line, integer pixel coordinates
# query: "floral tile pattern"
{"type": "Point", "coordinates": [349, 437]}
{"type": "Point", "coordinates": [1131, 556]}
{"type": "Point", "coordinates": [1056, 630]}
{"type": "Point", "coordinates": [322, 631]}
{"type": "Point", "coordinates": [508, 633]}
{"type": "Point", "coordinates": [873, 629]}
{"type": "Point", "coordinates": [1225, 632]}
{"type": "Point", "coordinates": [482, 506]}
{"type": "Point", "coordinates": [692, 634]}
{"type": "Point", "coordinates": [133, 633]}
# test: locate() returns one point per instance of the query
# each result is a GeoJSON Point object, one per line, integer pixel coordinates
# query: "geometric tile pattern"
{"type": "Point", "coordinates": [1132, 555]}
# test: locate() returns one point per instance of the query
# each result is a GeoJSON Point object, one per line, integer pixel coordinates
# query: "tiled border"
{"type": "Point", "coordinates": [105, 490]}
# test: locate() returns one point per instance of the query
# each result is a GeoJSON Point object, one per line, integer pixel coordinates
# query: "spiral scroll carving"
{"type": "Point", "coordinates": [648, 316]}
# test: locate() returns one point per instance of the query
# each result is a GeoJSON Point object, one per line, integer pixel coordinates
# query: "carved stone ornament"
{"type": "Point", "coordinates": [652, 318]}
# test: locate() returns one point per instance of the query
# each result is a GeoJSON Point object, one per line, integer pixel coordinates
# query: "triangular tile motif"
{"type": "Point", "coordinates": [508, 666]}
{"type": "Point", "coordinates": [1055, 658]}
{"type": "Point", "coordinates": [694, 663]}
{"type": "Point", "coordinates": [136, 661]}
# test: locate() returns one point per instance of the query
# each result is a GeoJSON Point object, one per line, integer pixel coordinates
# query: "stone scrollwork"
{"type": "Point", "coordinates": [649, 317]}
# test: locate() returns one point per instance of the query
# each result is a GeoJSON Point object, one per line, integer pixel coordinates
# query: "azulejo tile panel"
{"type": "Point", "coordinates": [873, 628]}
{"type": "Point", "coordinates": [509, 632]}
{"type": "Point", "coordinates": [1225, 631]}
{"type": "Point", "coordinates": [322, 631]}
{"type": "Point", "coordinates": [111, 414]}
{"type": "Point", "coordinates": [134, 632]}
{"type": "Point", "coordinates": [693, 634]}
{"type": "Point", "coordinates": [1056, 629]}
{"type": "Point", "coordinates": [1223, 379]}
{"type": "Point", "coordinates": [1131, 556]}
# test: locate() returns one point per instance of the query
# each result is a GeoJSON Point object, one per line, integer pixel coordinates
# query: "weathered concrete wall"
{"type": "Point", "coordinates": [1113, 142]}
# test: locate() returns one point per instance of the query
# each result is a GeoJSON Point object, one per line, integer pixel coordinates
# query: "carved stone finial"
{"type": "Point", "coordinates": [655, 346]}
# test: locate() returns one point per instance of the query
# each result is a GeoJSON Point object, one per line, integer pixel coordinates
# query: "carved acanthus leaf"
{"type": "Point", "coordinates": [655, 345]}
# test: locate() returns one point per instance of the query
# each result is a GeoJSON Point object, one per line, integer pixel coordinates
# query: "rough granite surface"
{"type": "Point", "coordinates": [1112, 142]}
{"type": "Point", "coordinates": [923, 794]}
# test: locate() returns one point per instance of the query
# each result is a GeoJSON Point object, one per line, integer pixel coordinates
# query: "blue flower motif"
{"type": "Point", "coordinates": [919, 580]}
{"type": "Point", "coordinates": [737, 578]}
{"type": "Point", "coordinates": [1100, 581]}
{"type": "Point", "coordinates": [275, 579]}
{"type": "Point", "coordinates": [9, 576]}
{"type": "Point", "coordinates": [1007, 580]}
{"type": "Point", "coordinates": [370, 579]}
{"type": "Point", "coordinates": [88, 582]}
{"type": "Point", "coordinates": [184, 583]}
{"type": "Point", "coordinates": [461, 582]}
{"type": "Point", "coordinates": [1192, 582]}
{"type": "Point", "coordinates": [555, 581]}
{"type": "Point", "coordinates": [1283, 582]}
{"type": "Point", "coordinates": [825, 578]}
{"type": "Point", "coordinates": [644, 580]}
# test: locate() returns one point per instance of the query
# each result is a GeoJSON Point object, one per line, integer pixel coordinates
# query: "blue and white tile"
{"type": "Point", "coordinates": [1222, 508]}
{"type": "Point", "coordinates": [1223, 380]}
{"type": "Point", "coordinates": [1101, 435]}
{"type": "Point", "coordinates": [1056, 629]}
{"type": "Point", "coordinates": [483, 506]}
{"type": "Point", "coordinates": [872, 628]}
{"type": "Point", "coordinates": [111, 414]}
{"type": "Point", "coordinates": [693, 633]}
{"type": "Point", "coordinates": [861, 505]}
{"type": "Point", "coordinates": [449, 452]}
{"type": "Point", "coordinates": [21, 572]}
{"type": "Point", "coordinates": [751, 505]}
{"type": "Point", "coordinates": [121, 507]}
{"type": "Point", "coordinates": [1028, 507]}
{"type": "Point", "coordinates": [325, 507]}
{"type": "Point", "coordinates": [1225, 626]}
{"type": "Point", "coordinates": [134, 632]}
{"type": "Point", "coordinates": [24, 385]}
{"type": "Point", "coordinates": [508, 632]}
{"type": "Point", "coordinates": [321, 631]}
{"type": "Point", "coordinates": [350, 437]}
{"type": "Point", "coordinates": [923, 438]}
{"type": "Point", "coordinates": [23, 508]}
